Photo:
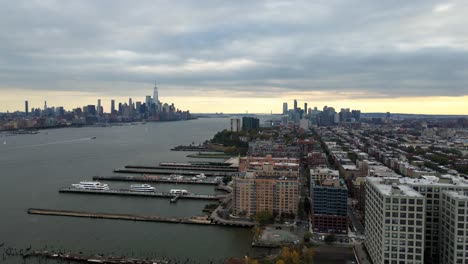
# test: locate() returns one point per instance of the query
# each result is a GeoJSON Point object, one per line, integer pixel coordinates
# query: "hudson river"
{"type": "Point", "coordinates": [34, 167]}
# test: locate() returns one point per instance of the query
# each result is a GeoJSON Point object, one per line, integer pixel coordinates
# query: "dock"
{"type": "Point", "coordinates": [188, 167]}
{"type": "Point", "coordinates": [179, 172]}
{"type": "Point", "coordinates": [126, 192]}
{"type": "Point", "coordinates": [154, 179]}
{"type": "Point", "coordinates": [199, 164]}
{"type": "Point", "coordinates": [196, 220]}
{"type": "Point", "coordinates": [68, 256]}
{"type": "Point", "coordinates": [195, 148]}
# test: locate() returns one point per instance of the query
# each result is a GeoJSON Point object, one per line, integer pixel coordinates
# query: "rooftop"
{"type": "Point", "coordinates": [390, 186]}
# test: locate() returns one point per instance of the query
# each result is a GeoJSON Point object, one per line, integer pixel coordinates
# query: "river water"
{"type": "Point", "coordinates": [34, 167]}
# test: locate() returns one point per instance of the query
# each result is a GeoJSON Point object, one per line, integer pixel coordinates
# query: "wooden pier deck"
{"type": "Point", "coordinates": [196, 220]}
{"type": "Point", "coordinates": [126, 192]}
{"type": "Point", "coordinates": [151, 179]}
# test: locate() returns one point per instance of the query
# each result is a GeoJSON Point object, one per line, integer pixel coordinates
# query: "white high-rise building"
{"type": "Point", "coordinates": [432, 187]}
{"type": "Point", "coordinates": [395, 220]}
{"type": "Point", "coordinates": [235, 125]}
{"type": "Point", "coordinates": [454, 227]}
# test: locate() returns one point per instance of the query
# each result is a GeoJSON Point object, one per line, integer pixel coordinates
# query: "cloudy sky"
{"type": "Point", "coordinates": [237, 56]}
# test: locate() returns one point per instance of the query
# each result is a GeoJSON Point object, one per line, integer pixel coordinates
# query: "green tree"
{"type": "Point", "coordinates": [331, 238]}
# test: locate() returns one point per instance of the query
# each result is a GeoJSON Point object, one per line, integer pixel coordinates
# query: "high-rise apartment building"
{"type": "Point", "coordinates": [454, 227]}
{"type": "Point", "coordinates": [235, 125]}
{"type": "Point", "coordinates": [395, 220]}
{"type": "Point", "coordinates": [275, 194]}
{"type": "Point", "coordinates": [295, 104]}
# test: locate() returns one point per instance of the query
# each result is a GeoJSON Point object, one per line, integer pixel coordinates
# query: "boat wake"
{"type": "Point", "coordinates": [52, 143]}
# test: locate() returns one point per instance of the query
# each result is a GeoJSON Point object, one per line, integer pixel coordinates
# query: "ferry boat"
{"type": "Point", "coordinates": [91, 185]}
{"type": "Point", "coordinates": [179, 192]}
{"type": "Point", "coordinates": [141, 188]}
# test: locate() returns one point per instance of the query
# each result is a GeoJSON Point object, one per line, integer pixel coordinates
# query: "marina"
{"type": "Point", "coordinates": [157, 179]}
{"type": "Point", "coordinates": [127, 192]}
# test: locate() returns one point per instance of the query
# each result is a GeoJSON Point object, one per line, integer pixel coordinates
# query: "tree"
{"type": "Point", "coordinates": [285, 253]}
{"type": "Point", "coordinates": [331, 238]}
{"type": "Point", "coordinates": [295, 257]}
{"type": "Point", "coordinates": [264, 218]}
{"type": "Point", "coordinates": [307, 236]}
{"type": "Point", "coordinates": [280, 261]}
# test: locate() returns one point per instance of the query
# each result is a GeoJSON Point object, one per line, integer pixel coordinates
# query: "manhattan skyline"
{"type": "Point", "coordinates": [402, 57]}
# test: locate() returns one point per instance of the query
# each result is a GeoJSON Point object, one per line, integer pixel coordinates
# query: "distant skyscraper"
{"type": "Point", "coordinates": [26, 107]}
{"type": "Point", "coordinates": [155, 94]}
{"type": "Point", "coordinates": [99, 107]}
{"type": "Point", "coordinates": [305, 108]}
{"type": "Point", "coordinates": [112, 106]}
{"type": "Point", "coordinates": [295, 104]}
{"type": "Point", "coordinates": [285, 108]}
{"type": "Point", "coordinates": [45, 105]}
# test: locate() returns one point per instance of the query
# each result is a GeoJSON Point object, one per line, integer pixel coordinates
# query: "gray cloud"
{"type": "Point", "coordinates": [368, 48]}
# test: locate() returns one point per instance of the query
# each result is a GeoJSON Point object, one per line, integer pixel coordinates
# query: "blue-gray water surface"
{"type": "Point", "coordinates": [34, 167]}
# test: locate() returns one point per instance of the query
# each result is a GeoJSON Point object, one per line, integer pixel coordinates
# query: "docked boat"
{"type": "Point", "coordinates": [179, 192]}
{"type": "Point", "coordinates": [141, 188]}
{"type": "Point", "coordinates": [91, 185]}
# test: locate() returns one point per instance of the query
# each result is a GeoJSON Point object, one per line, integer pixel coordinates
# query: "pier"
{"type": "Point", "coordinates": [125, 192]}
{"type": "Point", "coordinates": [196, 220]}
{"type": "Point", "coordinates": [199, 164]}
{"type": "Point", "coordinates": [195, 148]}
{"type": "Point", "coordinates": [185, 167]}
{"type": "Point", "coordinates": [90, 258]}
{"type": "Point", "coordinates": [169, 172]}
{"type": "Point", "coordinates": [155, 179]}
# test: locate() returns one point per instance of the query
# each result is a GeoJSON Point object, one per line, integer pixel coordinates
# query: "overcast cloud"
{"type": "Point", "coordinates": [365, 49]}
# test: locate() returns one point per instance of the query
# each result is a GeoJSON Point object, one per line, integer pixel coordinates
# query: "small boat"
{"type": "Point", "coordinates": [179, 192]}
{"type": "Point", "coordinates": [93, 138]}
{"type": "Point", "coordinates": [141, 188]}
{"type": "Point", "coordinates": [91, 185]}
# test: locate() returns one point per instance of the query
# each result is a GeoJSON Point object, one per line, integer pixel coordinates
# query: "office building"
{"type": "Point", "coordinates": [295, 105]}
{"type": "Point", "coordinates": [235, 125]}
{"type": "Point", "coordinates": [155, 95]}
{"type": "Point", "coordinates": [112, 106]}
{"type": "Point", "coordinates": [431, 187]}
{"type": "Point", "coordinates": [395, 220]}
{"type": "Point", "coordinates": [454, 227]}
{"type": "Point", "coordinates": [250, 123]}
{"type": "Point", "coordinates": [305, 108]}
{"type": "Point", "coordinates": [285, 108]}
{"type": "Point", "coordinates": [99, 107]}
{"type": "Point", "coordinates": [26, 107]}
{"type": "Point", "coordinates": [329, 205]}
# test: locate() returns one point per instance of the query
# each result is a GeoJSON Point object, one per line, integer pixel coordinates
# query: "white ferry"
{"type": "Point", "coordinates": [141, 188]}
{"type": "Point", "coordinates": [179, 192]}
{"type": "Point", "coordinates": [91, 185]}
